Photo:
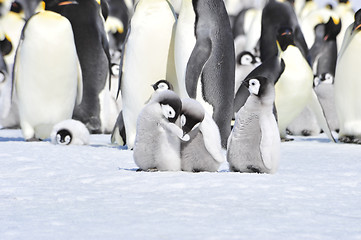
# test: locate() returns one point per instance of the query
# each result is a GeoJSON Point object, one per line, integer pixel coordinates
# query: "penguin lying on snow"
{"type": "Point", "coordinates": [157, 140]}
{"type": "Point", "coordinates": [254, 143]}
{"type": "Point", "coordinates": [70, 132]}
{"type": "Point", "coordinates": [203, 152]}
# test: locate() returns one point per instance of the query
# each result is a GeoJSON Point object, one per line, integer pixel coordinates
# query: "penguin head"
{"type": "Point", "coordinates": [16, 7]}
{"type": "Point", "coordinates": [162, 85]}
{"type": "Point", "coordinates": [63, 137]}
{"type": "Point", "coordinates": [357, 23]}
{"type": "Point", "coordinates": [260, 87]}
{"type": "Point", "coordinates": [169, 102]}
{"type": "Point", "coordinates": [285, 37]}
{"type": "Point", "coordinates": [324, 78]}
{"type": "Point", "coordinates": [332, 29]}
{"type": "Point", "coordinates": [247, 58]}
{"type": "Point", "coordinates": [54, 4]}
{"type": "Point", "coordinates": [192, 114]}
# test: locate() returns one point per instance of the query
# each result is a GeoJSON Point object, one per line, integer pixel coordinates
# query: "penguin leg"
{"type": "Point", "coordinates": [27, 130]}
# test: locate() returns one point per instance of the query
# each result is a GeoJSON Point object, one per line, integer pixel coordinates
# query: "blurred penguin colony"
{"type": "Point", "coordinates": [243, 75]}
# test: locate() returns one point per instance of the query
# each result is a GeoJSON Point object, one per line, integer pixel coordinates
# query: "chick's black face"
{"type": "Point", "coordinates": [190, 121]}
{"type": "Point", "coordinates": [63, 137]}
{"type": "Point", "coordinates": [171, 108]}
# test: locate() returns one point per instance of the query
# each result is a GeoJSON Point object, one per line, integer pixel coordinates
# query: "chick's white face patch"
{"type": "Point", "coordinates": [168, 111]}
{"type": "Point", "coordinates": [254, 86]}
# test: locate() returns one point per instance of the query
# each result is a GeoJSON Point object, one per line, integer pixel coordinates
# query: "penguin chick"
{"type": "Point", "coordinates": [68, 132]}
{"type": "Point", "coordinates": [254, 143]}
{"type": "Point", "coordinates": [157, 140]}
{"type": "Point", "coordinates": [118, 134]}
{"type": "Point", "coordinates": [203, 151]}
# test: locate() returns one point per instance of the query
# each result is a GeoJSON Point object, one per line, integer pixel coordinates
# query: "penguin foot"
{"type": "Point", "coordinates": [350, 139]}
{"type": "Point", "coordinates": [306, 133]}
{"type": "Point", "coordinates": [254, 169]}
{"type": "Point", "coordinates": [286, 139]}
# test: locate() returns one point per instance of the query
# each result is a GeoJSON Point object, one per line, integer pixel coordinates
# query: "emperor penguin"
{"type": "Point", "coordinates": [145, 58]}
{"type": "Point", "coordinates": [323, 53]}
{"type": "Point", "coordinates": [92, 48]}
{"type": "Point", "coordinates": [272, 68]}
{"type": "Point", "coordinates": [348, 84]}
{"type": "Point", "coordinates": [118, 134]}
{"type": "Point", "coordinates": [203, 151]}
{"type": "Point", "coordinates": [47, 74]}
{"type": "Point", "coordinates": [210, 70]}
{"type": "Point", "coordinates": [245, 63]}
{"type": "Point", "coordinates": [12, 24]}
{"type": "Point", "coordinates": [117, 23]}
{"type": "Point", "coordinates": [70, 132]}
{"type": "Point", "coordinates": [157, 143]}
{"type": "Point", "coordinates": [254, 143]}
{"type": "Point", "coordinates": [276, 15]}
{"type": "Point", "coordinates": [294, 89]}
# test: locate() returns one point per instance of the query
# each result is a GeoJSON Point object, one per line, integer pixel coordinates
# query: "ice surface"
{"type": "Point", "coordinates": [94, 192]}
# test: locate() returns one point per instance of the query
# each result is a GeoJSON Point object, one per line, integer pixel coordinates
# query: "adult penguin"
{"type": "Point", "coordinates": [348, 84]}
{"type": "Point", "coordinates": [294, 89]}
{"type": "Point", "coordinates": [146, 55]}
{"type": "Point", "coordinates": [274, 16]}
{"type": "Point", "coordinates": [117, 23]}
{"type": "Point", "coordinates": [324, 51]}
{"type": "Point", "coordinates": [47, 75]}
{"type": "Point", "coordinates": [93, 51]}
{"type": "Point", "coordinates": [211, 67]}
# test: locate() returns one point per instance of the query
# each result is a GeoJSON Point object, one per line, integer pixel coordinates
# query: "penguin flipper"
{"type": "Point", "coordinates": [79, 95]}
{"type": "Point", "coordinates": [197, 60]}
{"type": "Point", "coordinates": [212, 138]}
{"type": "Point", "coordinates": [317, 109]}
{"type": "Point", "coordinates": [16, 68]}
{"type": "Point", "coordinates": [122, 60]}
{"type": "Point", "coordinates": [118, 134]}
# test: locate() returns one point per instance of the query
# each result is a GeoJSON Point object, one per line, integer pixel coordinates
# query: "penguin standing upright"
{"type": "Point", "coordinates": [157, 142]}
{"type": "Point", "coordinates": [145, 59]}
{"type": "Point", "coordinates": [203, 151]}
{"type": "Point", "coordinates": [254, 143]}
{"type": "Point", "coordinates": [93, 50]}
{"type": "Point", "coordinates": [12, 24]}
{"type": "Point", "coordinates": [294, 89]}
{"type": "Point", "coordinates": [348, 84]}
{"type": "Point", "coordinates": [47, 74]}
{"type": "Point", "coordinates": [211, 66]}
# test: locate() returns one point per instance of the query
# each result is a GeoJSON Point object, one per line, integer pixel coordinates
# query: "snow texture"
{"type": "Point", "coordinates": [94, 192]}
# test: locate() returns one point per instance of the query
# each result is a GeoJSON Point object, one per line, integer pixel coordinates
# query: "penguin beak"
{"type": "Point", "coordinates": [357, 27]}
{"type": "Point", "coordinates": [67, 3]}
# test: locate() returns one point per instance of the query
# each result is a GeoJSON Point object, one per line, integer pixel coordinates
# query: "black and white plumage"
{"type": "Point", "coordinates": [254, 143]}
{"type": "Point", "coordinates": [157, 140]}
{"type": "Point", "coordinates": [70, 132]}
{"type": "Point", "coordinates": [118, 134]}
{"type": "Point", "coordinates": [348, 84]}
{"type": "Point", "coordinates": [203, 151]}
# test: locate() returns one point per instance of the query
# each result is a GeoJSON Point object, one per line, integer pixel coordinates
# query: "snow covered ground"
{"type": "Point", "coordinates": [94, 192]}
